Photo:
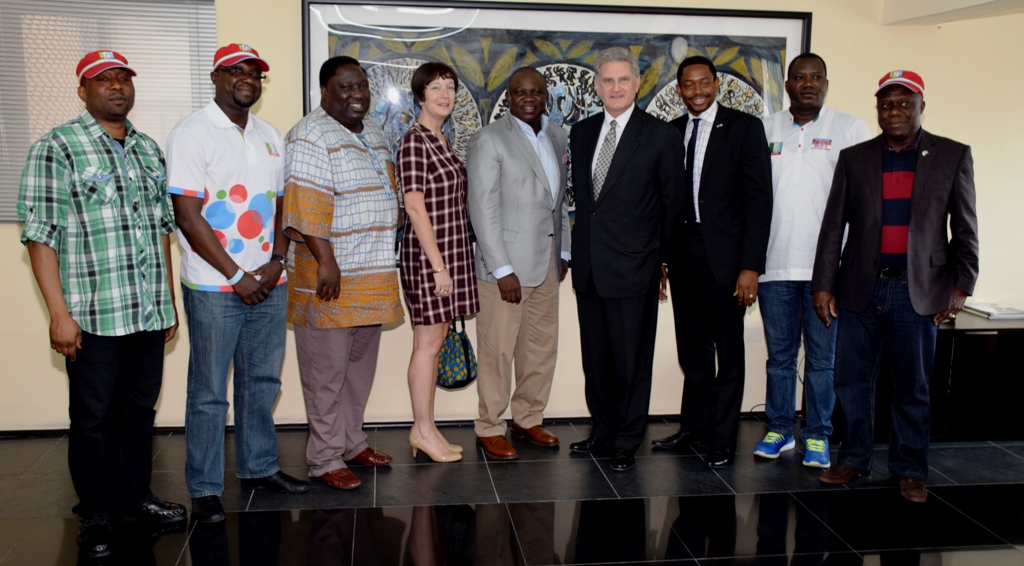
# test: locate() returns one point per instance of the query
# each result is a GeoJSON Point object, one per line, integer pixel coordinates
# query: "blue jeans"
{"type": "Point", "coordinates": [223, 329]}
{"type": "Point", "coordinates": [787, 308]}
{"type": "Point", "coordinates": [890, 324]}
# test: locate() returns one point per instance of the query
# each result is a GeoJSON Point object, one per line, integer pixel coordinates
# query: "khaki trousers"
{"type": "Point", "coordinates": [526, 333]}
{"type": "Point", "coordinates": [336, 367]}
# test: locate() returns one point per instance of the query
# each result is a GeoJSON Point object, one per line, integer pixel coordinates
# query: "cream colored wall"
{"type": "Point", "coordinates": [972, 95]}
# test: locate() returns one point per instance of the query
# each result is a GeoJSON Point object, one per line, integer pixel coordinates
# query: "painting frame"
{"type": "Point", "coordinates": [393, 36]}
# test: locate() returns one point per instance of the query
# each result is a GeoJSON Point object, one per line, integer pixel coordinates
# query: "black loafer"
{"type": "Point", "coordinates": [94, 536]}
{"type": "Point", "coordinates": [278, 481]}
{"type": "Point", "coordinates": [680, 439]}
{"type": "Point", "coordinates": [622, 460]}
{"type": "Point", "coordinates": [718, 458]}
{"type": "Point", "coordinates": [154, 510]}
{"type": "Point", "coordinates": [590, 444]}
{"type": "Point", "coordinates": [207, 509]}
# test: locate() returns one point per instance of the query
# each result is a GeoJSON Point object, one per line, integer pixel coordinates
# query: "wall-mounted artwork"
{"type": "Point", "coordinates": [486, 42]}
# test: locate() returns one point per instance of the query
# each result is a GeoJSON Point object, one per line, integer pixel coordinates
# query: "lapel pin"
{"type": "Point", "coordinates": [924, 153]}
{"type": "Point", "coordinates": [719, 125]}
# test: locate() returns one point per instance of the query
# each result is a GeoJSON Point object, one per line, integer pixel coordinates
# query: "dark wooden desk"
{"type": "Point", "coordinates": [977, 386]}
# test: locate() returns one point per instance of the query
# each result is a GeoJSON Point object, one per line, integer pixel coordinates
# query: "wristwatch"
{"type": "Point", "coordinates": [280, 258]}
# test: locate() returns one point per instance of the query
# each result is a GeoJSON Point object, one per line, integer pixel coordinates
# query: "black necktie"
{"type": "Point", "coordinates": [691, 150]}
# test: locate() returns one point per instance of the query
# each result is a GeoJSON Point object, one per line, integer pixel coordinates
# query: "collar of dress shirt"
{"type": "Point", "coordinates": [622, 119]}
{"type": "Point", "coordinates": [707, 116]}
{"type": "Point", "coordinates": [528, 129]}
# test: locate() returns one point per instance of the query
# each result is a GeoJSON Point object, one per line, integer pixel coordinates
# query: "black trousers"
{"type": "Point", "coordinates": [617, 343]}
{"type": "Point", "coordinates": [113, 383]}
{"type": "Point", "coordinates": [709, 322]}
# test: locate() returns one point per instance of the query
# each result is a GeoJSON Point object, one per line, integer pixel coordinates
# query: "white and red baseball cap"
{"type": "Point", "coordinates": [234, 53]}
{"type": "Point", "coordinates": [909, 79]}
{"type": "Point", "coordinates": [98, 61]}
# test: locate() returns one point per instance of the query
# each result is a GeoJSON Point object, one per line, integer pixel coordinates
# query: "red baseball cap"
{"type": "Point", "coordinates": [234, 53]}
{"type": "Point", "coordinates": [909, 79]}
{"type": "Point", "coordinates": [98, 61]}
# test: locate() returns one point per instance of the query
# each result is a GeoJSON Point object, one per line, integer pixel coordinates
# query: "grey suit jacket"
{"type": "Point", "coordinates": [510, 204]}
{"type": "Point", "coordinates": [937, 261]}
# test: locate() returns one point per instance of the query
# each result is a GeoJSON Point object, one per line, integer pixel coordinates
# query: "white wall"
{"type": "Point", "coordinates": [972, 93]}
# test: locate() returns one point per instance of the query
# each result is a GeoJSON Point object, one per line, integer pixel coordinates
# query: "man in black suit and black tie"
{"type": "Point", "coordinates": [718, 249]}
{"type": "Point", "coordinates": [628, 185]}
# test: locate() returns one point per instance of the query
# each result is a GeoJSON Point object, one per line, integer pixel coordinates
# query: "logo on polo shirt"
{"type": "Point", "coordinates": [821, 143]}
{"type": "Point", "coordinates": [272, 150]}
{"type": "Point", "coordinates": [775, 148]}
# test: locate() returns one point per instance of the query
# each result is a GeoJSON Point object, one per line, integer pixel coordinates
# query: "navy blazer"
{"type": "Point", "coordinates": [621, 238]}
{"type": "Point", "coordinates": [943, 194]}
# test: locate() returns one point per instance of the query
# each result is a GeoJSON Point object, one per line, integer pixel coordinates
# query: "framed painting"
{"type": "Point", "coordinates": [486, 41]}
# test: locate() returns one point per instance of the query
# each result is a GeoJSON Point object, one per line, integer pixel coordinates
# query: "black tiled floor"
{"type": "Point", "coordinates": [549, 507]}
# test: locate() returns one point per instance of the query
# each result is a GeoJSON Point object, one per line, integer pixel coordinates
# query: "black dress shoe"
{"type": "Point", "coordinates": [154, 510]}
{"type": "Point", "coordinates": [207, 509]}
{"type": "Point", "coordinates": [278, 481]}
{"type": "Point", "coordinates": [94, 536]}
{"type": "Point", "coordinates": [591, 443]}
{"type": "Point", "coordinates": [622, 460]}
{"type": "Point", "coordinates": [718, 458]}
{"type": "Point", "coordinates": [680, 439]}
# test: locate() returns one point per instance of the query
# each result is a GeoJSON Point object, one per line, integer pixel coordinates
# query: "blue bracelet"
{"type": "Point", "coordinates": [238, 277]}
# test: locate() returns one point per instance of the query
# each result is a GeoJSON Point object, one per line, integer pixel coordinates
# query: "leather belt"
{"type": "Point", "coordinates": [890, 273]}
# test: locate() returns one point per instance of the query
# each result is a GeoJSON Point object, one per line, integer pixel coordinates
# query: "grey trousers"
{"type": "Point", "coordinates": [336, 367]}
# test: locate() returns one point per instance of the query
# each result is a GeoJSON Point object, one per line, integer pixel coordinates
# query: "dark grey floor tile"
{"type": "Point", "coordinates": [844, 558]}
{"type": "Point", "coordinates": [39, 496]}
{"type": "Point", "coordinates": [6, 483]}
{"type": "Point", "coordinates": [753, 474]}
{"type": "Point", "coordinates": [20, 454]}
{"type": "Point", "coordinates": [999, 508]}
{"type": "Point", "coordinates": [171, 486]}
{"type": "Point", "coordinates": [881, 478]}
{"type": "Point", "coordinates": [747, 525]}
{"type": "Point", "coordinates": [621, 531]}
{"type": "Point", "coordinates": [980, 557]}
{"type": "Point", "coordinates": [657, 430]}
{"type": "Point", "coordinates": [395, 442]}
{"type": "Point", "coordinates": [266, 537]}
{"type": "Point", "coordinates": [550, 480]}
{"type": "Point", "coordinates": [46, 542]}
{"type": "Point", "coordinates": [54, 461]}
{"type": "Point", "coordinates": [873, 520]}
{"type": "Point", "coordinates": [319, 496]}
{"type": "Point", "coordinates": [169, 453]}
{"type": "Point", "coordinates": [434, 484]}
{"type": "Point", "coordinates": [663, 476]}
{"type": "Point", "coordinates": [978, 464]}
{"type": "Point", "coordinates": [1017, 449]}
{"type": "Point", "coordinates": [291, 447]}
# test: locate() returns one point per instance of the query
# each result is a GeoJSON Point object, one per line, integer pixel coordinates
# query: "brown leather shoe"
{"type": "Point", "coordinates": [535, 434]}
{"type": "Point", "coordinates": [370, 457]}
{"type": "Point", "coordinates": [342, 478]}
{"type": "Point", "coordinates": [497, 447]}
{"type": "Point", "coordinates": [913, 489]}
{"type": "Point", "coordinates": [840, 474]}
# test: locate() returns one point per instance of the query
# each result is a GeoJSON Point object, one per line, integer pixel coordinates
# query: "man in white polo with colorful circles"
{"type": "Point", "coordinates": [225, 172]}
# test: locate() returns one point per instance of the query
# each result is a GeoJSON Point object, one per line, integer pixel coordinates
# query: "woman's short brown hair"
{"type": "Point", "coordinates": [428, 73]}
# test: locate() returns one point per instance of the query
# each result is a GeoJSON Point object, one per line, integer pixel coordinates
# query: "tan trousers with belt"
{"type": "Point", "coordinates": [526, 333]}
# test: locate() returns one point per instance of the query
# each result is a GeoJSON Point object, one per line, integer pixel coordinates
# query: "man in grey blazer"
{"type": "Point", "coordinates": [520, 214]}
{"type": "Point", "coordinates": [898, 276]}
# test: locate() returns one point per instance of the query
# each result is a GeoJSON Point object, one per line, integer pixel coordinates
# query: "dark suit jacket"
{"type": "Point", "coordinates": [621, 238]}
{"type": "Point", "coordinates": [735, 194]}
{"type": "Point", "coordinates": [936, 264]}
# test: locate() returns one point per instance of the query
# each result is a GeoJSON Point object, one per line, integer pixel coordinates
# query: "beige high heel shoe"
{"type": "Point", "coordinates": [417, 444]}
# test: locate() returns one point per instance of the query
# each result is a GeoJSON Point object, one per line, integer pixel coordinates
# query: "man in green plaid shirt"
{"type": "Point", "coordinates": [97, 224]}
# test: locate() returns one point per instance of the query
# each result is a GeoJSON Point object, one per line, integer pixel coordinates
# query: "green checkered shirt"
{"type": "Point", "coordinates": [103, 208]}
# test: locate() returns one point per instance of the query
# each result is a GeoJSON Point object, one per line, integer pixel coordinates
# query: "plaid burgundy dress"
{"type": "Point", "coordinates": [428, 165]}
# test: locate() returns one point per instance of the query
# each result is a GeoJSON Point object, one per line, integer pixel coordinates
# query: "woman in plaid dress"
{"type": "Point", "coordinates": [438, 276]}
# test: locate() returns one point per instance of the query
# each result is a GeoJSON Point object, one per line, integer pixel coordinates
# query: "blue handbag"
{"type": "Point", "coordinates": [456, 363]}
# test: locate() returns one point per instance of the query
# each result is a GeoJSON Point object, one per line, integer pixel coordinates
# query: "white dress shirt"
{"type": "Point", "coordinates": [707, 121]}
{"type": "Point", "coordinates": [620, 125]}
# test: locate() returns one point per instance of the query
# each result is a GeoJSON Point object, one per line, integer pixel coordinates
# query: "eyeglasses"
{"type": "Point", "coordinates": [238, 73]}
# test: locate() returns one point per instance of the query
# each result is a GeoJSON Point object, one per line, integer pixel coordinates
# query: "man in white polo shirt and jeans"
{"type": "Point", "coordinates": [805, 142]}
{"type": "Point", "coordinates": [226, 179]}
